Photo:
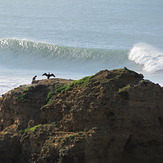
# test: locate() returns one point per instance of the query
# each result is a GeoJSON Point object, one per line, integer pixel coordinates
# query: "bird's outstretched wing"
{"type": "Point", "coordinates": [52, 75]}
{"type": "Point", "coordinates": [45, 74]}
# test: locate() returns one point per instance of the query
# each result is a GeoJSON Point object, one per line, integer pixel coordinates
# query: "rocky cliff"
{"type": "Point", "coordinates": [111, 117]}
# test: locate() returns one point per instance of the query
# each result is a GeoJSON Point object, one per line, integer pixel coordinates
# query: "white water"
{"type": "Point", "coordinates": [77, 38]}
{"type": "Point", "coordinates": [148, 56]}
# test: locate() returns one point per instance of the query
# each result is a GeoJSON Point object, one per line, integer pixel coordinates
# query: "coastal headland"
{"type": "Point", "coordinates": [111, 117]}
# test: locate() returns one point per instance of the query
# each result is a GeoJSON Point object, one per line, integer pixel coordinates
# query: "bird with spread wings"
{"type": "Point", "coordinates": [48, 75]}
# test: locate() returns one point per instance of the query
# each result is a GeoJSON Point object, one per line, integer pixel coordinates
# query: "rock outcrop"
{"type": "Point", "coordinates": [113, 116]}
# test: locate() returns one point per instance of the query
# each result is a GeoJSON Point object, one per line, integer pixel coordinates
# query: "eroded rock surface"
{"type": "Point", "coordinates": [113, 116]}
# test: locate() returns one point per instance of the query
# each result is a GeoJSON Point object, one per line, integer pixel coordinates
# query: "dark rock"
{"type": "Point", "coordinates": [114, 116]}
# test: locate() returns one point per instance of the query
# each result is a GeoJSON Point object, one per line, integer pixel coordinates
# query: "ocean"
{"type": "Point", "coordinates": [74, 39]}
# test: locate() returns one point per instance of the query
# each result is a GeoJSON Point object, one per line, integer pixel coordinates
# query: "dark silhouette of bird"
{"type": "Point", "coordinates": [34, 78]}
{"type": "Point", "coordinates": [48, 75]}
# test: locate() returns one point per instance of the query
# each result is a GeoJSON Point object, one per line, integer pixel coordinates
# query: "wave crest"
{"type": "Point", "coordinates": [25, 52]}
{"type": "Point", "coordinates": [148, 56]}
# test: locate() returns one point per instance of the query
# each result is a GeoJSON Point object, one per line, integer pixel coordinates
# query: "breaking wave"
{"type": "Point", "coordinates": [21, 59]}
{"type": "Point", "coordinates": [21, 53]}
{"type": "Point", "coordinates": [31, 54]}
{"type": "Point", "coordinates": [148, 56]}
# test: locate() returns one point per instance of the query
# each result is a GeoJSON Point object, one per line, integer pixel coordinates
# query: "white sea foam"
{"type": "Point", "coordinates": [148, 56]}
{"type": "Point", "coordinates": [98, 31]}
{"type": "Point", "coordinates": [22, 59]}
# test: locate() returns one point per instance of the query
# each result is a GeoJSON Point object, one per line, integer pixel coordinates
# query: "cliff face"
{"type": "Point", "coordinates": [21, 106]}
{"type": "Point", "coordinates": [114, 116]}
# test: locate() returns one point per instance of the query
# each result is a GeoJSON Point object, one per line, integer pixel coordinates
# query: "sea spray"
{"type": "Point", "coordinates": [148, 56]}
{"type": "Point", "coordinates": [21, 59]}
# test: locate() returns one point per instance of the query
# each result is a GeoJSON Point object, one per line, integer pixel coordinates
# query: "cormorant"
{"type": "Point", "coordinates": [48, 75]}
{"type": "Point", "coordinates": [34, 78]}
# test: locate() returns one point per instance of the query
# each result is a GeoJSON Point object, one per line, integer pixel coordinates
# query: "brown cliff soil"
{"type": "Point", "coordinates": [111, 117]}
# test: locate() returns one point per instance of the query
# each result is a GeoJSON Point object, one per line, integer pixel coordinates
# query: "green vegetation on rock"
{"type": "Point", "coordinates": [124, 89]}
{"type": "Point", "coordinates": [84, 82]}
{"type": "Point", "coordinates": [54, 124]}
{"type": "Point", "coordinates": [24, 93]}
{"type": "Point", "coordinates": [32, 128]}
{"type": "Point", "coordinates": [123, 92]}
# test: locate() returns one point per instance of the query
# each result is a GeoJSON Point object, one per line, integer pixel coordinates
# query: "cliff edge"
{"type": "Point", "coordinates": [113, 116]}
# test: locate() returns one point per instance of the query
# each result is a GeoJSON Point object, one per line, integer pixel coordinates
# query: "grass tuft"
{"type": "Point", "coordinates": [84, 82]}
{"type": "Point", "coordinates": [124, 89]}
{"type": "Point", "coordinates": [24, 93]}
{"type": "Point", "coordinates": [32, 128]}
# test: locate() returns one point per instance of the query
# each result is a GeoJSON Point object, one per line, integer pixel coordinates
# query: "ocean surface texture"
{"type": "Point", "coordinates": [73, 38]}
